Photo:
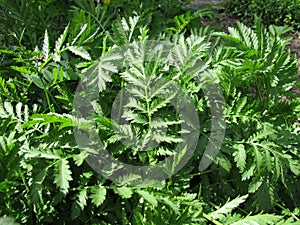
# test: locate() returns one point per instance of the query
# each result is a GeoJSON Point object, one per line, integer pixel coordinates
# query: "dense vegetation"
{"type": "Point", "coordinates": [48, 47]}
{"type": "Point", "coordinates": [276, 12]}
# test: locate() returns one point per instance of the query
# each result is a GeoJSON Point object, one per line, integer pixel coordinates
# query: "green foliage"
{"type": "Point", "coordinates": [26, 20]}
{"type": "Point", "coordinates": [271, 11]}
{"type": "Point", "coordinates": [44, 178]}
{"type": "Point", "coordinates": [184, 20]}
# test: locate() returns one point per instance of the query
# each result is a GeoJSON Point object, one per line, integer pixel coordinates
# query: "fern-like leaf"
{"type": "Point", "coordinates": [263, 219]}
{"type": "Point", "coordinates": [124, 192]}
{"type": "Point", "coordinates": [148, 197]}
{"type": "Point", "coordinates": [59, 42]}
{"type": "Point", "coordinates": [62, 175]}
{"type": "Point", "coordinates": [240, 156]}
{"type": "Point", "coordinates": [80, 51]}
{"type": "Point", "coordinates": [100, 72]}
{"type": "Point", "coordinates": [228, 207]}
{"type": "Point", "coordinates": [46, 46]}
{"type": "Point", "coordinates": [98, 195]}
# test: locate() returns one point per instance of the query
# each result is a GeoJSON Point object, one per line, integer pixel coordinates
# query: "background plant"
{"type": "Point", "coordinates": [270, 11]}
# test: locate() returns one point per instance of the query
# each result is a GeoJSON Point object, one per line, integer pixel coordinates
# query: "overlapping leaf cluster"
{"type": "Point", "coordinates": [44, 178]}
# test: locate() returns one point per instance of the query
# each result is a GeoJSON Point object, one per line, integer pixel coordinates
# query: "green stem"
{"type": "Point", "coordinates": [121, 101]}
{"type": "Point", "coordinates": [50, 58]}
{"type": "Point", "coordinates": [48, 100]}
{"type": "Point", "coordinates": [209, 218]}
{"type": "Point", "coordinates": [292, 214]}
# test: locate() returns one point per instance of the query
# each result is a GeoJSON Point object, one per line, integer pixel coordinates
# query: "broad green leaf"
{"type": "Point", "coordinates": [228, 207]}
{"type": "Point", "coordinates": [39, 153]}
{"type": "Point", "coordinates": [47, 75]}
{"type": "Point", "coordinates": [148, 197]}
{"type": "Point", "coordinates": [248, 173]}
{"type": "Point", "coordinates": [171, 204]}
{"type": "Point", "coordinates": [295, 167]}
{"type": "Point", "coordinates": [82, 198]}
{"type": "Point", "coordinates": [79, 158]}
{"type": "Point", "coordinates": [99, 73]}
{"type": "Point", "coordinates": [37, 81]}
{"type": "Point", "coordinates": [255, 184]}
{"type": "Point", "coordinates": [224, 163]}
{"type": "Point", "coordinates": [240, 156]}
{"type": "Point", "coordinates": [62, 175]}
{"type": "Point", "coordinates": [124, 192]}
{"type": "Point", "coordinates": [98, 195]}
{"type": "Point", "coordinates": [80, 51]}
{"type": "Point", "coordinates": [263, 219]}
